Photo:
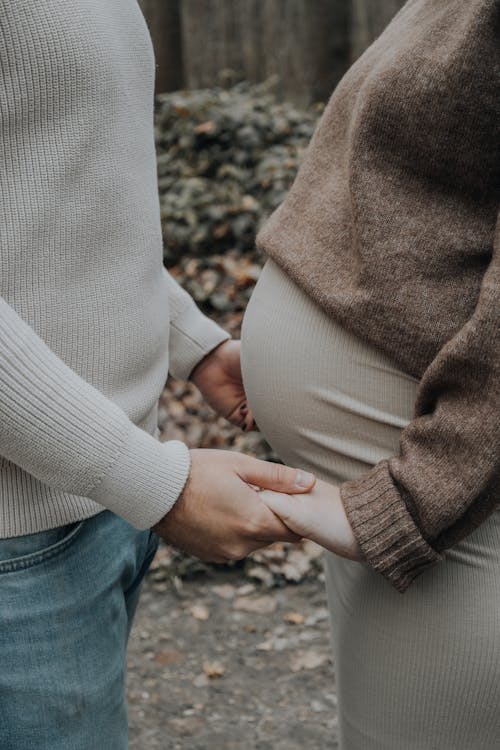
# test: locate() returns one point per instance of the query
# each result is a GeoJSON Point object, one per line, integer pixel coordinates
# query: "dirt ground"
{"type": "Point", "coordinates": [219, 663]}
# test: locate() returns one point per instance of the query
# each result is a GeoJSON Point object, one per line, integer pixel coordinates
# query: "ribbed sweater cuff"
{"type": "Point", "coordinates": [386, 532]}
{"type": "Point", "coordinates": [145, 478]}
{"type": "Point", "coordinates": [192, 337]}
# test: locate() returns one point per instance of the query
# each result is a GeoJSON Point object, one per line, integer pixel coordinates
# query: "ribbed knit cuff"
{"type": "Point", "coordinates": [192, 337]}
{"type": "Point", "coordinates": [145, 479]}
{"type": "Point", "coordinates": [384, 528]}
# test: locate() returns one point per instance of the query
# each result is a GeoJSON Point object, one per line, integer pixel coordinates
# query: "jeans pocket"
{"type": "Point", "coordinates": [26, 551]}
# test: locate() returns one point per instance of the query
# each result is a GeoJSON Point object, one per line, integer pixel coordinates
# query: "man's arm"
{"type": "Point", "coordinates": [192, 334]}
{"type": "Point", "coordinates": [63, 431]}
{"type": "Point", "coordinates": [201, 351]}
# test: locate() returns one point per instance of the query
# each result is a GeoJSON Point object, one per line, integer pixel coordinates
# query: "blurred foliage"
{"type": "Point", "coordinates": [226, 159]}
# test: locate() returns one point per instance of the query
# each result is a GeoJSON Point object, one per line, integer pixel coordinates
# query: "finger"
{"type": "Point", "coordinates": [238, 414]}
{"type": "Point", "coordinates": [249, 422]}
{"type": "Point", "coordinates": [277, 477]}
{"type": "Point", "coordinates": [272, 529]}
{"type": "Point", "coordinates": [264, 526]}
{"type": "Point", "coordinates": [286, 507]}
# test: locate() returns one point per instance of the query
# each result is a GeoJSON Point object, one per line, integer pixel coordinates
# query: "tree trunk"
{"type": "Point", "coordinates": [307, 44]}
{"type": "Point", "coordinates": [163, 19]}
{"type": "Point", "coordinates": [303, 42]}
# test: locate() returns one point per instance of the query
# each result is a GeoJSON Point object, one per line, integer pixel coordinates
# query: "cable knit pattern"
{"type": "Point", "coordinates": [86, 308]}
{"type": "Point", "coordinates": [390, 228]}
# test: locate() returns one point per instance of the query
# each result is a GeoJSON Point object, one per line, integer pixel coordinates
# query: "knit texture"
{"type": "Point", "coordinates": [390, 228]}
{"type": "Point", "coordinates": [89, 319]}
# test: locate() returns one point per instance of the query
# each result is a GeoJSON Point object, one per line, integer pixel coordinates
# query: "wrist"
{"type": "Point", "coordinates": [207, 361]}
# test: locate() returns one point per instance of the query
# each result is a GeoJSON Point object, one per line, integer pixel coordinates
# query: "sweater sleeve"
{"type": "Point", "coordinates": [446, 476]}
{"type": "Point", "coordinates": [192, 334]}
{"type": "Point", "coordinates": [64, 432]}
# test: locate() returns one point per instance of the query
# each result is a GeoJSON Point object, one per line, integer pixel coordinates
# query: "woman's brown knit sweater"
{"type": "Point", "coordinates": [392, 227]}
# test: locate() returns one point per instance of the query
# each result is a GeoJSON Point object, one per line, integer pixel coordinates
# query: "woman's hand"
{"type": "Point", "coordinates": [218, 377]}
{"type": "Point", "coordinates": [318, 515]}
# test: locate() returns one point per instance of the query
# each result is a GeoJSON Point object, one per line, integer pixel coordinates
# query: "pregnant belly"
{"type": "Point", "coordinates": [324, 399]}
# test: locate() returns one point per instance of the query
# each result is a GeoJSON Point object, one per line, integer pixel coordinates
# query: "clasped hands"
{"type": "Point", "coordinates": [233, 504]}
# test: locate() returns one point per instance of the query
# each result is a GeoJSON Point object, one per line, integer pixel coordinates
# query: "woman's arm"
{"type": "Point", "coordinates": [318, 515]}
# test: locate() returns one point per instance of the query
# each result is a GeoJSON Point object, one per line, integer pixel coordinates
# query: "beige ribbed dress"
{"type": "Point", "coordinates": [413, 671]}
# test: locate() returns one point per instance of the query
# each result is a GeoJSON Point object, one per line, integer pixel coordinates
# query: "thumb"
{"type": "Point", "coordinates": [277, 477]}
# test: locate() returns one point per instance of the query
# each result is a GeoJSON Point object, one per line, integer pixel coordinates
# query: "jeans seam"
{"type": "Point", "coordinates": [36, 558]}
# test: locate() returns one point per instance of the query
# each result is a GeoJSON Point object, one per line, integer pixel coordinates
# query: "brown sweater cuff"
{"type": "Point", "coordinates": [386, 532]}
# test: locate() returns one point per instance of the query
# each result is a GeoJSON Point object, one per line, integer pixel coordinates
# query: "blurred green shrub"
{"type": "Point", "coordinates": [226, 159]}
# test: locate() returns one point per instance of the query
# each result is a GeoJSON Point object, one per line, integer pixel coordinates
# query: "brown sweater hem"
{"type": "Point", "coordinates": [386, 532]}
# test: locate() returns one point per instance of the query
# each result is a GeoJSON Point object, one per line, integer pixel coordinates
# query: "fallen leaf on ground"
{"type": "Point", "coordinates": [246, 589]}
{"type": "Point", "coordinates": [213, 669]}
{"type": "Point", "coordinates": [167, 657]}
{"type": "Point", "coordinates": [265, 645]}
{"type": "Point", "coordinates": [307, 660]}
{"type": "Point", "coordinates": [205, 127]}
{"type": "Point", "coordinates": [225, 591]}
{"type": "Point", "coordinates": [274, 644]}
{"type": "Point", "coordinates": [260, 605]}
{"type": "Point", "coordinates": [294, 618]}
{"type": "Point", "coordinates": [200, 612]}
{"type": "Point", "coordinates": [319, 615]}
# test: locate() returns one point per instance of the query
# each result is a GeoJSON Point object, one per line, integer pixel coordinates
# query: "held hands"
{"type": "Point", "coordinates": [318, 515]}
{"type": "Point", "coordinates": [220, 516]}
{"type": "Point", "coordinates": [218, 377]}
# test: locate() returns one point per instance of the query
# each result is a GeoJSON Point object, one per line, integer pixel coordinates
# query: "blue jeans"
{"type": "Point", "coordinates": [67, 599]}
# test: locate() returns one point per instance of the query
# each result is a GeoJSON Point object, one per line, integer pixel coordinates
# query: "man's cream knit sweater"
{"type": "Point", "coordinates": [89, 320]}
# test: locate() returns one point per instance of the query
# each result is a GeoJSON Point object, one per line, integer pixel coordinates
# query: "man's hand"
{"type": "Point", "coordinates": [318, 515]}
{"type": "Point", "coordinates": [218, 377]}
{"type": "Point", "coordinates": [220, 515]}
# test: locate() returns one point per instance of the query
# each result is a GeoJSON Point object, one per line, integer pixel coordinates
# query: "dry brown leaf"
{"type": "Point", "coordinates": [248, 203]}
{"type": "Point", "coordinates": [221, 230]}
{"type": "Point", "coordinates": [275, 643]}
{"type": "Point", "coordinates": [260, 605]}
{"type": "Point", "coordinates": [246, 589]}
{"type": "Point", "coordinates": [294, 618]}
{"type": "Point", "coordinates": [181, 110]}
{"type": "Point", "coordinates": [307, 660]}
{"type": "Point", "coordinates": [200, 612]}
{"type": "Point", "coordinates": [213, 669]}
{"type": "Point", "coordinates": [167, 657]}
{"type": "Point", "coordinates": [205, 127]}
{"type": "Point", "coordinates": [265, 645]}
{"type": "Point", "coordinates": [225, 591]}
